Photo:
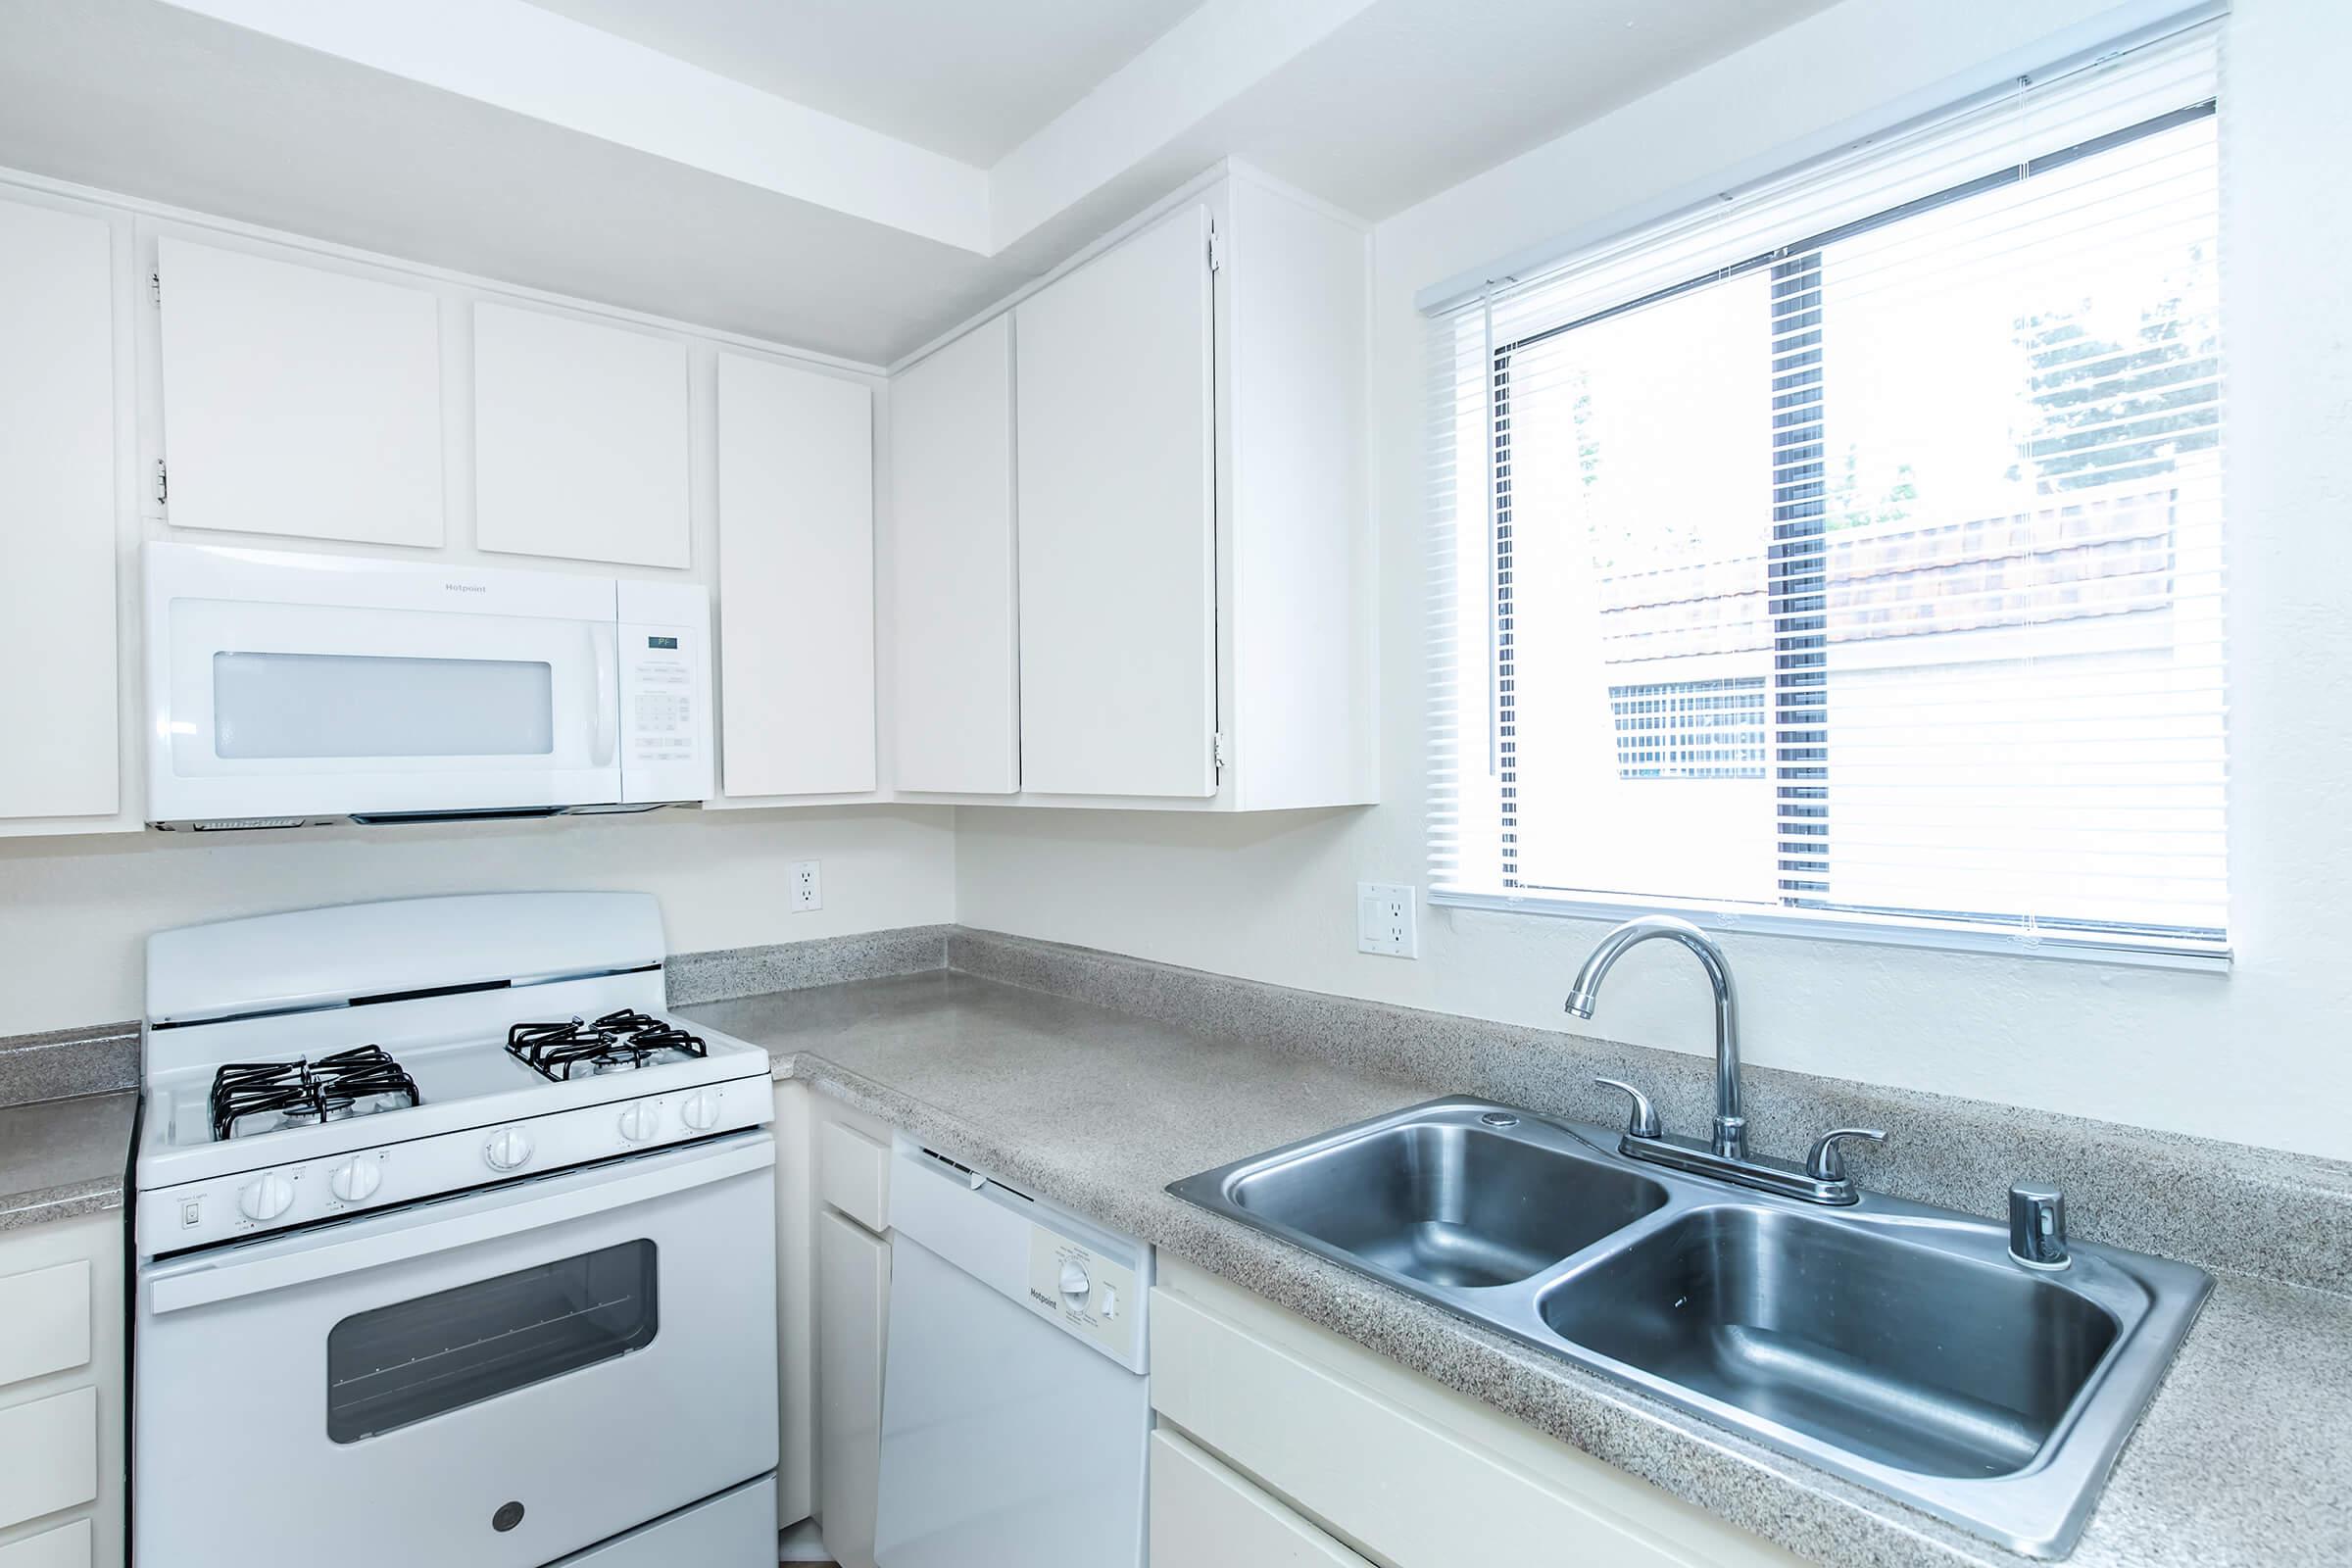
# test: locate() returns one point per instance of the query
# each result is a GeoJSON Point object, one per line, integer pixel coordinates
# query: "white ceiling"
{"type": "Point", "coordinates": [970, 78]}
{"type": "Point", "coordinates": [503, 138]}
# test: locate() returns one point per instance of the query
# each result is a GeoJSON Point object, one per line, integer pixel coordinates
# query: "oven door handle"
{"type": "Point", "coordinates": [307, 1265]}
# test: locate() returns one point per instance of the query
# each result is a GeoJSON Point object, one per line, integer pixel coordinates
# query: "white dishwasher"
{"type": "Point", "coordinates": [1016, 1410]}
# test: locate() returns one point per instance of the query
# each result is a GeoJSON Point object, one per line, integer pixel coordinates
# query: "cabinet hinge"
{"type": "Point", "coordinates": [1217, 750]}
{"type": "Point", "coordinates": [163, 483]}
{"type": "Point", "coordinates": [1212, 246]}
{"type": "Point", "coordinates": [155, 289]}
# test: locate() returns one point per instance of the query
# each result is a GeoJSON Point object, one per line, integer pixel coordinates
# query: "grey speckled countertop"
{"type": "Point", "coordinates": [2243, 1457]}
{"type": "Point", "coordinates": [63, 1158]}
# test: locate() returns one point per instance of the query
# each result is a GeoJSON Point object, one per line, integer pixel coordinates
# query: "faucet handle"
{"type": "Point", "coordinates": [1645, 1122]}
{"type": "Point", "coordinates": [1825, 1164]}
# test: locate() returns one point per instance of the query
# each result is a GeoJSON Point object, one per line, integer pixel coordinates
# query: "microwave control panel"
{"type": "Point", "coordinates": [665, 693]}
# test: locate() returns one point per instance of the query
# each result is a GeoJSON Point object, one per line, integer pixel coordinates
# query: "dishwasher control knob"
{"type": "Point", "coordinates": [1075, 1286]}
{"type": "Point", "coordinates": [355, 1181]}
{"type": "Point", "coordinates": [640, 1121]}
{"type": "Point", "coordinates": [266, 1198]}
{"type": "Point", "coordinates": [701, 1110]}
{"type": "Point", "coordinates": [506, 1148]}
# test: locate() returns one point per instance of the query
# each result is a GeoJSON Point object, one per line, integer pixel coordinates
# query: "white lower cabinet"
{"type": "Point", "coordinates": [67, 1546]}
{"type": "Point", "coordinates": [1204, 1517]}
{"type": "Point", "coordinates": [1361, 1450]}
{"type": "Point", "coordinates": [62, 1384]}
{"type": "Point", "coordinates": [851, 1322]}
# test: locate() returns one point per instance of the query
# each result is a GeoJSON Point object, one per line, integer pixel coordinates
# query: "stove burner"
{"type": "Point", "coordinates": [618, 1042]}
{"type": "Point", "coordinates": [266, 1096]}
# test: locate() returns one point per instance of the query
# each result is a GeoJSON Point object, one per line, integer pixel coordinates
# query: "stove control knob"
{"type": "Point", "coordinates": [266, 1198]}
{"type": "Point", "coordinates": [641, 1121]}
{"type": "Point", "coordinates": [1075, 1286]}
{"type": "Point", "coordinates": [701, 1110]}
{"type": "Point", "coordinates": [356, 1181]}
{"type": "Point", "coordinates": [506, 1148]}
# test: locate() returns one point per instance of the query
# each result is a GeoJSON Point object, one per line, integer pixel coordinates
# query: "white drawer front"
{"type": "Point", "coordinates": [61, 1547]}
{"type": "Point", "coordinates": [48, 1455]}
{"type": "Point", "coordinates": [1204, 1517]}
{"type": "Point", "coordinates": [1407, 1488]}
{"type": "Point", "coordinates": [853, 1174]}
{"type": "Point", "coordinates": [65, 1546]}
{"type": "Point", "coordinates": [47, 1311]}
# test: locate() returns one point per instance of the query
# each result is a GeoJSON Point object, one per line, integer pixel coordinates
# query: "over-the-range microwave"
{"type": "Point", "coordinates": [291, 689]}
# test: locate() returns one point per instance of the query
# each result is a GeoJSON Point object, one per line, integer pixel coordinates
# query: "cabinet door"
{"type": "Point", "coordinates": [58, 714]}
{"type": "Point", "coordinates": [796, 580]}
{"type": "Point", "coordinates": [853, 1292]}
{"type": "Point", "coordinates": [1204, 1517]}
{"type": "Point", "coordinates": [581, 439]}
{"type": "Point", "coordinates": [1116, 424]}
{"type": "Point", "coordinates": [959, 715]}
{"type": "Point", "coordinates": [299, 401]}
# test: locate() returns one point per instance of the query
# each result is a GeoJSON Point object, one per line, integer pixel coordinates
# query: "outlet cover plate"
{"type": "Point", "coordinates": [803, 887]}
{"type": "Point", "coordinates": [1387, 919]}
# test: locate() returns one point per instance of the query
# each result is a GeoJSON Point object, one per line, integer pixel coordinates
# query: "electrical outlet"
{"type": "Point", "coordinates": [1387, 919]}
{"type": "Point", "coordinates": [807, 893]}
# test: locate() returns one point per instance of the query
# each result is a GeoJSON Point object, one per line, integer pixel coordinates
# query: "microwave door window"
{"type": "Point", "coordinates": [267, 705]}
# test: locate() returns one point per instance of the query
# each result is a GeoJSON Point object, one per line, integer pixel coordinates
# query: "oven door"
{"type": "Point", "coordinates": [320, 686]}
{"type": "Point", "coordinates": [494, 1380]}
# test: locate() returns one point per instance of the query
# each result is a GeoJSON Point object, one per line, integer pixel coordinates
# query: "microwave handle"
{"type": "Point", "coordinates": [603, 654]}
{"type": "Point", "coordinates": [519, 1212]}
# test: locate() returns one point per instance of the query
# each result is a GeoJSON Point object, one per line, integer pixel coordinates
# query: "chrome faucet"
{"type": "Point", "coordinates": [1821, 1178]}
{"type": "Point", "coordinates": [1730, 1119]}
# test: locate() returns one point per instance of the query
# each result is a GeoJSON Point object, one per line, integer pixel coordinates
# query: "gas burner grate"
{"type": "Point", "coordinates": [618, 1042]}
{"type": "Point", "coordinates": [263, 1097]}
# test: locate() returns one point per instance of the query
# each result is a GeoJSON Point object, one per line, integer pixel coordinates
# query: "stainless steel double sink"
{"type": "Point", "coordinates": [1894, 1344]}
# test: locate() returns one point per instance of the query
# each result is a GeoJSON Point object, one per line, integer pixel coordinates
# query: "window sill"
{"type": "Point", "coordinates": [1999, 942]}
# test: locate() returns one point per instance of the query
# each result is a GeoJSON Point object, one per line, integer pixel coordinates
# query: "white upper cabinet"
{"type": "Point", "coordinates": [796, 580]}
{"type": "Point", "coordinates": [581, 439]}
{"type": "Point", "coordinates": [1116, 422]}
{"type": "Point", "coordinates": [297, 400]}
{"type": "Point", "coordinates": [1295, 547]}
{"type": "Point", "coordinates": [58, 699]}
{"type": "Point", "coordinates": [1191, 606]}
{"type": "Point", "coordinates": [957, 669]}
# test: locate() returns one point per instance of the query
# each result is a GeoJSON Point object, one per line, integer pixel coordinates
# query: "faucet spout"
{"type": "Point", "coordinates": [1730, 1116]}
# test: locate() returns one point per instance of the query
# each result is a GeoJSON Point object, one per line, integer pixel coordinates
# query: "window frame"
{"type": "Point", "coordinates": [1827, 921]}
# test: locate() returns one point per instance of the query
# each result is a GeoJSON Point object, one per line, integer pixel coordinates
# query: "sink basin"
{"type": "Point", "coordinates": [1891, 1342]}
{"type": "Point", "coordinates": [1448, 1204]}
{"type": "Point", "coordinates": [1910, 1357]}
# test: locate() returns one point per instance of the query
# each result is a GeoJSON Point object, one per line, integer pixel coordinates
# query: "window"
{"type": "Point", "coordinates": [1850, 554]}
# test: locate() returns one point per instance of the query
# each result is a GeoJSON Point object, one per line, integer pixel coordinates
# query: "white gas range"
{"type": "Point", "coordinates": [437, 1207]}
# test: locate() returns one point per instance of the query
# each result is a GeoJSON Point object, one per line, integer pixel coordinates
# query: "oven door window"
{"type": "Point", "coordinates": [396, 1365]}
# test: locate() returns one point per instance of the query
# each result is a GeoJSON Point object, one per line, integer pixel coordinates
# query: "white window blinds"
{"type": "Point", "coordinates": [1851, 553]}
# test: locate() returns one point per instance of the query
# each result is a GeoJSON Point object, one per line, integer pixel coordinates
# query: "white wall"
{"type": "Point", "coordinates": [2257, 1056]}
{"type": "Point", "coordinates": [74, 913]}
